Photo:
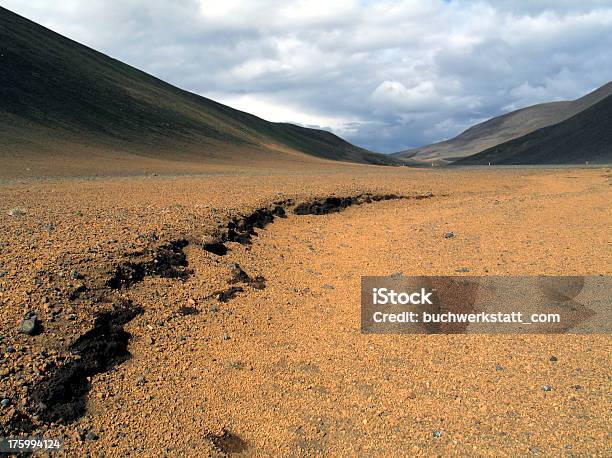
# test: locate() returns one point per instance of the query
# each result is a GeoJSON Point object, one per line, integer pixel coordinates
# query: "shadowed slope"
{"type": "Point", "coordinates": [584, 137]}
{"type": "Point", "coordinates": [504, 128]}
{"type": "Point", "coordinates": [59, 98]}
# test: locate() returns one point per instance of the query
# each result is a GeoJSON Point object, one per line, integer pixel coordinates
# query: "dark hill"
{"type": "Point", "coordinates": [584, 137]}
{"type": "Point", "coordinates": [59, 97]}
{"type": "Point", "coordinates": [503, 128]}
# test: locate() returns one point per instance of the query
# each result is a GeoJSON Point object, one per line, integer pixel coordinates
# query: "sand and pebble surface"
{"type": "Point", "coordinates": [123, 336]}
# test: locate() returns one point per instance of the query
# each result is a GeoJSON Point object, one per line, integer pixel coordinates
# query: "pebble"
{"type": "Point", "coordinates": [498, 367]}
{"type": "Point", "coordinates": [553, 359]}
{"type": "Point", "coordinates": [462, 269]}
{"type": "Point", "coordinates": [10, 349]}
{"type": "Point", "coordinates": [74, 274]}
{"type": "Point", "coordinates": [547, 388]}
{"type": "Point", "coordinates": [140, 380]}
{"type": "Point", "coordinates": [226, 337]}
{"type": "Point", "coordinates": [437, 434]}
{"type": "Point", "coordinates": [91, 436]}
{"type": "Point", "coordinates": [5, 402]}
{"type": "Point", "coordinates": [29, 326]}
{"type": "Point", "coordinates": [449, 235]}
{"type": "Point", "coordinates": [16, 212]}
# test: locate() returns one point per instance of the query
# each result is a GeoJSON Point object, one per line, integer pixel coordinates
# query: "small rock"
{"type": "Point", "coordinates": [10, 349]}
{"type": "Point", "coordinates": [462, 269]}
{"type": "Point", "coordinates": [437, 434]}
{"type": "Point", "coordinates": [547, 388]}
{"type": "Point", "coordinates": [577, 387]}
{"type": "Point", "coordinates": [153, 236]}
{"type": "Point", "coordinates": [72, 317]}
{"type": "Point", "coordinates": [449, 235]}
{"type": "Point", "coordinates": [91, 436]}
{"type": "Point", "coordinates": [150, 340]}
{"type": "Point", "coordinates": [328, 287]}
{"type": "Point", "coordinates": [226, 337]}
{"type": "Point", "coordinates": [499, 367]}
{"type": "Point", "coordinates": [5, 402]}
{"type": "Point", "coordinates": [553, 359]}
{"type": "Point", "coordinates": [140, 380]}
{"type": "Point", "coordinates": [16, 212]}
{"type": "Point", "coordinates": [74, 274]}
{"type": "Point", "coordinates": [29, 326]}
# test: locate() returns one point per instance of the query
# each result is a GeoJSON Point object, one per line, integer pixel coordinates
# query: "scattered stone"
{"type": "Point", "coordinates": [91, 436]}
{"type": "Point", "coordinates": [29, 326]}
{"type": "Point", "coordinates": [140, 380]}
{"type": "Point", "coordinates": [74, 274]}
{"type": "Point", "coordinates": [150, 340]}
{"type": "Point", "coordinates": [547, 388]}
{"type": "Point", "coordinates": [226, 337]}
{"type": "Point", "coordinates": [449, 235]}
{"type": "Point", "coordinates": [553, 359]}
{"type": "Point", "coordinates": [153, 236]}
{"type": "Point", "coordinates": [328, 286]}
{"type": "Point", "coordinates": [577, 387]}
{"type": "Point", "coordinates": [462, 270]}
{"type": "Point", "coordinates": [236, 365]}
{"type": "Point", "coordinates": [5, 402]}
{"type": "Point", "coordinates": [498, 367]}
{"type": "Point", "coordinates": [10, 349]}
{"type": "Point", "coordinates": [437, 434]}
{"type": "Point", "coordinates": [16, 212]}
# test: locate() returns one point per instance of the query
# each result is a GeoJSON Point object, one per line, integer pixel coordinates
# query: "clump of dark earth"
{"type": "Point", "coordinates": [217, 248]}
{"type": "Point", "coordinates": [241, 230]}
{"type": "Point", "coordinates": [228, 294]}
{"type": "Point", "coordinates": [186, 311]}
{"type": "Point", "coordinates": [61, 396]}
{"type": "Point", "coordinates": [337, 204]}
{"type": "Point", "coordinates": [166, 261]}
{"type": "Point", "coordinates": [240, 276]}
{"type": "Point", "coordinates": [30, 326]}
{"type": "Point", "coordinates": [227, 443]}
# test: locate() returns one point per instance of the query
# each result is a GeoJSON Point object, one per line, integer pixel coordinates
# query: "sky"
{"type": "Point", "coordinates": [385, 75]}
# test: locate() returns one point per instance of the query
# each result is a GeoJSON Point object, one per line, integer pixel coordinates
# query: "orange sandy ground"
{"type": "Point", "coordinates": [285, 370]}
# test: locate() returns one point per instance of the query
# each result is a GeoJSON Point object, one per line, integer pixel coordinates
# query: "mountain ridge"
{"type": "Point", "coordinates": [503, 128]}
{"type": "Point", "coordinates": [57, 95]}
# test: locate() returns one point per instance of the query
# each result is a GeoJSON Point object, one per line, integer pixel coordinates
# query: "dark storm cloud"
{"type": "Point", "coordinates": [385, 75]}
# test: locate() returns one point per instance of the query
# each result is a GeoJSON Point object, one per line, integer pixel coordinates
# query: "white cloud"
{"type": "Point", "coordinates": [387, 74]}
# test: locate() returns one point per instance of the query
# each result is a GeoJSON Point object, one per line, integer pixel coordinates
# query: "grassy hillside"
{"type": "Point", "coordinates": [504, 128]}
{"type": "Point", "coordinates": [59, 97]}
{"type": "Point", "coordinates": [586, 136]}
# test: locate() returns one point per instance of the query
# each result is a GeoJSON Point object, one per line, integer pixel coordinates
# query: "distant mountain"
{"type": "Point", "coordinates": [61, 99]}
{"type": "Point", "coordinates": [502, 129]}
{"type": "Point", "coordinates": [584, 137]}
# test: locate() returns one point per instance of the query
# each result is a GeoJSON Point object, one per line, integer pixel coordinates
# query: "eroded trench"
{"type": "Point", "coordinates": [61, 397]}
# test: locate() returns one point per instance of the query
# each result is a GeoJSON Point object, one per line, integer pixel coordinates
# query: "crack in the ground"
{"type": "Point", "coordinates": [62, 396]}
{"type": "Point", "coordinates": [166, 261]}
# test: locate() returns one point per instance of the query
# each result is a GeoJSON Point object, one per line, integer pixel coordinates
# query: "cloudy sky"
{"type": "Point", "coordinates": [386, 75]}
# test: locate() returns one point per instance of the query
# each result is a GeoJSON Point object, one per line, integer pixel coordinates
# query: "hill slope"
{"type": "Point", "coordinates": [586, 136]}
{"type": "Point", "coordinates": [504, 128]}
{"type": "Point", "coordinates": [60, 98]}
